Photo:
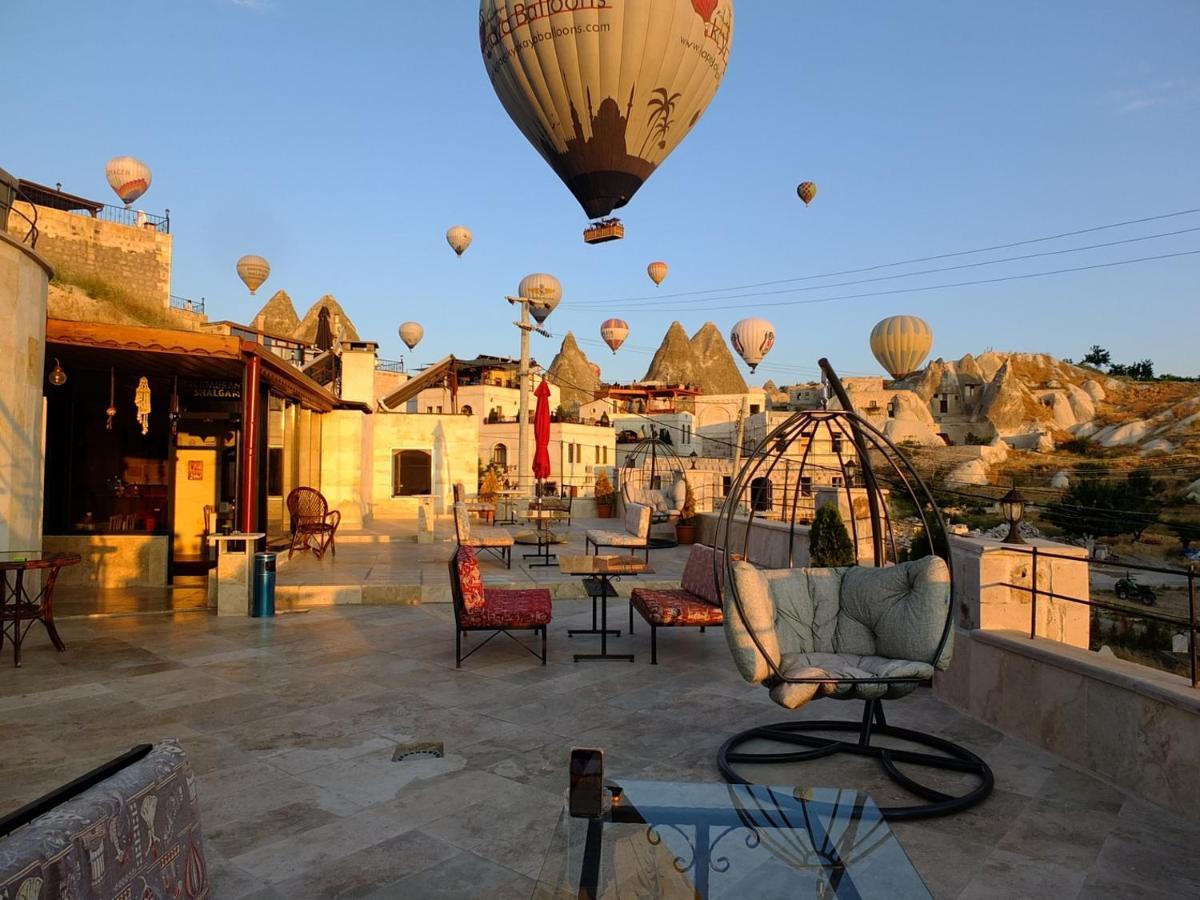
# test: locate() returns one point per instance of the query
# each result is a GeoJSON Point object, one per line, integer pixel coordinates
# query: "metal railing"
{"type": "Point", "coordinates": [135, 218]}
{"type": "Point", "coordinates": [187, 304]}
{"type": "Point", "coordinates": [390, 365]}
{"type": "Point", "coordinates": [31, 234]}
{"type": "Point", "coordinates": [1189, 574]}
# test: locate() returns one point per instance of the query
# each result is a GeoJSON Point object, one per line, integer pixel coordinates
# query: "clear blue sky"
{"type": "Point", "coordinates": [340, 140]}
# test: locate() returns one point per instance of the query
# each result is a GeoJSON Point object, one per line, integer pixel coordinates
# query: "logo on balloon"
{"type": "Point", "coordinates": [768, 342]}
{"type": "Point", "coordinates": [705, 8]}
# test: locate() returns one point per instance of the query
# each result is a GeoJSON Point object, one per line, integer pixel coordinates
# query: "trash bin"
{"type": "Point", "coordinates": [262, 590]}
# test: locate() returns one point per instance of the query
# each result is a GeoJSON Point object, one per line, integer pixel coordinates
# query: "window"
{"type": "Point", "coordinates": [597, 449]}
{"type": "Point", "coordinates": [837, 480]}
{"type": "Point", "coordinates": [754, 408]}
{"type": "Point", "coordinates": [429, 410]}
{"type": "Point", "coordinates": [570, 453]}
{"type": "Point", "coordinates": [837, 444]}
{"type": "Point", "coordinates": [806, 486]}
{"type": "Point", "coordinates": [275, 472]}
{"type": "Point", "coordinates": [412, 473]}
{"type": "Point", "coordinates": [439, 411]}
{"type": "Point", "coordinates": [500, 456]}
{"type": "Point", "coordinates": [944, 405]}
{"type": "Point", "coordinates": [606, 456]}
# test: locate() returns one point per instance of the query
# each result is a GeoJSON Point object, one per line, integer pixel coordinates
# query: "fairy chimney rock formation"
{"type": "Point", "coordinates": [716, 370]}
{"type": "Point", "coordinates": [573, 373]}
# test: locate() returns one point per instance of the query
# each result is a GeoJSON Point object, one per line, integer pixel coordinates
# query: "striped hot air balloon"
{"type": "Point", "coordinates": [807, 190]}
{"type": "Point", "coordinates": [753, 339]}
{"type": "Point", "coordinates": [546, 292]}
{"type": "Point", "coordinates": [128, 177]}
{"type": "Point", "coordinates": [901, 343]}
{"type": "Point", "coordinates": [657, 272]}
{"type": "Point", "coordinates": [614, 332]}
{"type": "Point", "coordinates": [253, 270]}
{"type": "Point", "coordinates": [459, 238]}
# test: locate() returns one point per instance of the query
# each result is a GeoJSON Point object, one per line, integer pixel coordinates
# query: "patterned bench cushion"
{"type": "Point", "coordinates": [511, 608]}
{"type": "Point", "coordinates": [470, 580]}
{"type": "Point", "coordinates": [674, 607]}
{"type": "Point", "coordinates": [700, 576]}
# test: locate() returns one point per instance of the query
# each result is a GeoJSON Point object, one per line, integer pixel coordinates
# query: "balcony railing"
{"type": "Point", "coordinates": [1135, 593]}
{"type": "Point", "coordinates": [187, 304]}
{"type": "Point", "coordinates": [390, 365]}
{"type": "Point", "coordinates": [135, 218]}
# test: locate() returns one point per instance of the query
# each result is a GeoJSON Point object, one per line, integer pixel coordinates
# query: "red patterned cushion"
{"type": "Point", "coordinates": [699, 577]}
{"type": "Point", "coordinates": [470, 581]}
{"type": "Point", "coordinates": [675, 607]}
{"type": "Point", "coordinates": [511, 608]}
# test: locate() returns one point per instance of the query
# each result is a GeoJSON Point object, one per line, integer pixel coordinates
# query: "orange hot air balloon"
{"type": "Point", "coordinates": [807, 190]}
{"type": "Point", "coordinates": [614, 332]}
{"type": "Point", "coordinates": [657, 272]}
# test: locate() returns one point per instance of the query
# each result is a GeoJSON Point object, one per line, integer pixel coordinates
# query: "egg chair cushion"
{"type": "Point", "coordinates": [840, 666]}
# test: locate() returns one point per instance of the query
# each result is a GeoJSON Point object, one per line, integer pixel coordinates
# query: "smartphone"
{"type": "Point", "coordinates": [586, 792]}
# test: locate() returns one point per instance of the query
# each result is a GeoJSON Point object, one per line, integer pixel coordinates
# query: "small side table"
{"type": "Point", "coordinates": [230, 594]}
{"type": "Point", "coordinates": [19, 609]}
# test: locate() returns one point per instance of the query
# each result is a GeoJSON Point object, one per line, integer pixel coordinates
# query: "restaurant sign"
{"type": "Point", "coordinates": [214, 389]}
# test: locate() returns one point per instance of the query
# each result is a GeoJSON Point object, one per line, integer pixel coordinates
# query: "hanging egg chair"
{"type": "Point", "coordinates": [842, 614]}
{"type": "Point", "coordinates": [655, 476]}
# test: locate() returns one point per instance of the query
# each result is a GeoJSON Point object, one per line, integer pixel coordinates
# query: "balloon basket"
{"type": "Point", "coordinates": [603, 232]}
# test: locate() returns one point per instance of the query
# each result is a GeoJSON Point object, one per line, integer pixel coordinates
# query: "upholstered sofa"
{"type": "Point", "coordinates": [665, 505]}
{"type": "Point", "coordinates": [837, 624]}
{"type": "Point", "coordinates": [636, 535]}
{"type": "Point", "coordinates": [696, 603]}
{"type": "Point", "coordinates": [135, 834]}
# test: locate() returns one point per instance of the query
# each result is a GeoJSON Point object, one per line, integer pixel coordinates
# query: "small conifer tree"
{"type": "Point", "coordinates": [828, 542]}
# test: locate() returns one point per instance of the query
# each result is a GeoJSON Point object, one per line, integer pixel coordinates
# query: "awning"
{"type": "Point", "coordinates": [431, 377]}
{"type": "Point", "coordinates": [41, 195]}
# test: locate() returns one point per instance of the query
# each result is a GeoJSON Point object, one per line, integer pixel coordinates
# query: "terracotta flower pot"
{"type": "Point", "coordinates": [604, 510]}
{"type": "Point", "coordinates": [685, 534]}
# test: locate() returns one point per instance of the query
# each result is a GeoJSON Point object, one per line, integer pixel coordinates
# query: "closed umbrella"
{"type": "Point", "coordinates": [541, 433]}
{"type": "Point", "coordinates": [324, 338]}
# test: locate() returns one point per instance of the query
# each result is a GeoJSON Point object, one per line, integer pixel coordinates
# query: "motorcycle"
{"type": "Point", "coordinates": [1127, 588]}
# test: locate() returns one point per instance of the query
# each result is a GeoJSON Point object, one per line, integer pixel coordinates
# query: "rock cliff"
{"type": "Point", "coordinates": [307, 331]}
{"type": "Point", "coordinates": [278, 316]}
{"type": "Point", "coordinates": [674, 362]}
{"type": "Point", "coordinates": [574, 374]}
{"type": "Point", "coordinates": [703, 361]}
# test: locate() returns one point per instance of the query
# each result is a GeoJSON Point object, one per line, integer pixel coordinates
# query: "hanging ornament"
{"type": "Point", "coordinates": [58, 375]}
{"type": "Point", "coordinates": [112, 398]}
{"type": "Point", "coordinates": [142, 400]}
{"type": "Point", "coordinates": [173, 415]}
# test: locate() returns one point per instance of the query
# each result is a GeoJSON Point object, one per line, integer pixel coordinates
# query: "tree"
{"type": "Point", "coordinates": [1097, 356]}
{"type": "Point", "coordinates": [828, 542]}
{"type": "Point", "coordinates": [1141, 371]}
{"type": "Point", "coordinates": [1102, 507]}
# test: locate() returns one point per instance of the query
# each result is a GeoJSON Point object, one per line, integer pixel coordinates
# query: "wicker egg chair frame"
{"type": "Point", "coordinates": [664, 468]}
{"type": "Point", "coordinates": [810, 739]}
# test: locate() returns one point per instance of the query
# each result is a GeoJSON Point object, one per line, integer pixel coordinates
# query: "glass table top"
{"type": "Point", "coordinates": [603, 565]}
{"type": "Point", "coordinates": [698, 840]}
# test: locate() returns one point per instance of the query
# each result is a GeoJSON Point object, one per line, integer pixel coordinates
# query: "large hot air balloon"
{"type": "Point", "coordinates": [753, 339]}
{"type": "Point", "coordinates": [459, 237]}
{"type": "Point", "coordinates": [901, 343]}
{"type": "Point", "coordinates": [129, 177]}
{"type": "Point", "coordinates": [411, 333]}
{"type": "Point", "coordinates": [253, 270]}
{"type": "Point", "coordinates": [657, 272]}
{"type": "Point", "coordinates": [614, 332]}
{"type": "Point", "coordinates": [807, 190]}
{"type": "Point", "coordinates": [605, 90]}
{"type": "Point", "coordinates": [545, 290]}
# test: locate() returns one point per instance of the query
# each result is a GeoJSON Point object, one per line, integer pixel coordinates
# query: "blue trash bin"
{"type": "Point", "coordinates": [262, 596]}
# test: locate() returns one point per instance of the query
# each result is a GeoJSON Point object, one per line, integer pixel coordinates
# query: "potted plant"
{"type": "Point", "coordinates": [490, 485]}
{"type": "Point", "coordinates": [605, 495]}
{"type": "Point", "coordinates": [685, 528]}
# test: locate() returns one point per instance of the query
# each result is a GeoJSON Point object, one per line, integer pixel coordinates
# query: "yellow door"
{"type": "Point", "coordinates": [195, 488]}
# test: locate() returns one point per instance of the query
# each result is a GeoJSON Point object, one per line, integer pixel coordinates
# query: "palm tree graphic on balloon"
{"type": "Point", "coordinates": [662, 108]}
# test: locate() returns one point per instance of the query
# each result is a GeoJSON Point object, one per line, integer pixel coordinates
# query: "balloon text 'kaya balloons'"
{"type": "Point", "coordinates": [128, 177]}
{"type": "Point", "coordinates": [459, 237]}
{"type": "Point", "coordinates": [614, 332]}
{"type": "Point", "coordinates": [807, 190]}
{"type": "Point", "coordinates": [901, 343]}
{"type": "Point", "coordinates": [753, 339]}
{"type": "Point", "coordinates": [411, 333]}
{"type": "Point", "coordinates": [657, 272]}
{"type": "Point", "coordinates": [605, 89]}
{"type": "Point", "coordinates": [546, 292]}
{"type": "Point", "coordinates": [253, 270]}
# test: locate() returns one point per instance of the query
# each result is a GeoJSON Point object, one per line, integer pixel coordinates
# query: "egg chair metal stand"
{"type": "Point", "coordinates": [873, 651]}
{"type": "Point", "coordinates": [650, 475]}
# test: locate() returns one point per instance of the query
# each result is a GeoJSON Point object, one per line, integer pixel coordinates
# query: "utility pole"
{"type": "Point", "coordinates": [524, 473]}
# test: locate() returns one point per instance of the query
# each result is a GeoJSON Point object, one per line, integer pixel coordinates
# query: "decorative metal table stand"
{"type": "Point", "coordinates": [20, 604]}
{"type": "Point", "coordinates": [598, 573]}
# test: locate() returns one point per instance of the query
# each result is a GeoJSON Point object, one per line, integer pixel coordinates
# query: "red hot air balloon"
{"type": "Point", "coordinates": [705, 8]}
{"type": "Point", "coordinates": [807, 191]}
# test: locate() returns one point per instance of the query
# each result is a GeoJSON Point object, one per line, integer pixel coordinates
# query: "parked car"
{"type": "Point", "coordinates": [1127, 588]}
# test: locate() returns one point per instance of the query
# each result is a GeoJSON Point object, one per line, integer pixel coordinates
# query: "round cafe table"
{"type": "Point", "coordinates": [19, 606]}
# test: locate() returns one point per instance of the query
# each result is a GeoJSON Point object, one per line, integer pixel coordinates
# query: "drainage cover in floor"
{"type": "Point", "coordinates": [418, 750]}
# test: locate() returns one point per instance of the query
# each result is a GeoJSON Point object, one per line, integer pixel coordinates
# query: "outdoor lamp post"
{"type": "Point", "coordinates": [1012, 505]}
{"type": "Point", "coordinates": [851, 473]}
{"type": "Point", "coordinates": [537, 296]}
{"type": "Point", "coordinates": [692, 456]}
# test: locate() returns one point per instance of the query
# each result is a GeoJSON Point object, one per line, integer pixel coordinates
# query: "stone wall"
{"type": "Point", "coordinates": [135, 262]}
{"type": "Point", "coordinates": [24, 278]}
{"type": "Point", "coordinates": [452, 441]}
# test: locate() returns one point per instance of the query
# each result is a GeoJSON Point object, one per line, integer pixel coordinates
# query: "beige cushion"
{"type": "Point", "coordinates": [637, 520]}
{"type": "Point", "coordinates": [487, 536]}
{"type": "Point", "coordinates": [758, 607]}
{"type": "Point", "coordinates": [614, 538]}
{"type": "Point", "coordinates": [844, 665]}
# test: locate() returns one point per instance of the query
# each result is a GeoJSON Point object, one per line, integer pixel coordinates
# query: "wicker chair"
{"type": "Point", "coordinates": [314, 524]}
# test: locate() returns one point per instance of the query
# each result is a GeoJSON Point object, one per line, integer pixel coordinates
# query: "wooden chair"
{"type": "Point", "coordinates": [314, 524]}
{"type": "Point", "coordinates": [498, 610]}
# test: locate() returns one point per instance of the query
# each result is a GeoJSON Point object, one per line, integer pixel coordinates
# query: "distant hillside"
{"type": "Point", "coordinates": [573, 373]}
{"type": "Point", "coordinates": [703, 361]}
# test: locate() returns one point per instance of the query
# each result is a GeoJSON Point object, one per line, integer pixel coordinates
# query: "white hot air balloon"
{"type": "Point", "coordinates": [459, 238]}
{"type": "Point", "coordinates": [901, 343]}
{"type": "Point", "coordinates": [253, 270]}
{"type": "Point", "coordinates": [546, 292]}
{"type": "Point", "coordinates": [605, 90]}
{"type": "Point", "coordinates": [753, 339]}
{"type": "Point", "coordinates": [128, 177]}
{"type": "Point", "coordinates": [614, 332]}
{"type": "Point", "coordinates": [657, 272]}
{"type": "Point", "coordinates": [411, 333]}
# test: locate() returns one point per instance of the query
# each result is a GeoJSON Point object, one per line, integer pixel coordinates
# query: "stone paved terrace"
{"type": "Point", "coordinates": [291, 722]}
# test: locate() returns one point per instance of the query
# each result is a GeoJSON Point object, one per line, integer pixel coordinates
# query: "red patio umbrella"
{"type": "Point", "coordinates": [541, 433]}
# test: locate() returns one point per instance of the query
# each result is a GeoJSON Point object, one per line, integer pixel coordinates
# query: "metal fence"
{"type": "Point", "coordinates": [187, 304]}
{"type": "Point", "coordinates": [390, 365]}
{"type": "Point", "coordinates": [1187, 623]}
{"type": "Point", "coordinates": [135, 218]}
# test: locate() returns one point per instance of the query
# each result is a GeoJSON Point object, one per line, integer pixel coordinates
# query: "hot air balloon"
{"type": "Point", "coordinates": [901, 343]}
{"type": "Point", "coordinates": [129, 177]}
{"type": "Point", "coordinates": [753, 339]}
{"type": "Point", "coordinates": [807, 190]}
{"type": "Point", "coordinates": [546, 292]}
{"type": "Point", "coordinates": [411, 333]}
{"type": "Point", "coordinates": [614, 332]}
{"type": "Point", "coordinates": [657, 272]}
{"type": "Point", "coordinates": [459, 237]}
{"type": "Point", "coordinates": [605, 91]}
{"type": "Point", "coordinates": [596, 371]}
{"type": "Point", "coordinates": [253, 270]}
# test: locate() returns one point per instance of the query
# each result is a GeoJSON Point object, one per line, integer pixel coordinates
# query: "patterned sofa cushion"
{"type": "Point", "coordinates": [136, 835]}
{"type": "Point", "coordinates": [704, 571]}
{"type": "Point", "coordinates": [470, 580]}
{"type": "Point", "coordinates": [511, 608]}
{"type": "Point", "coordinates": [674, 607]}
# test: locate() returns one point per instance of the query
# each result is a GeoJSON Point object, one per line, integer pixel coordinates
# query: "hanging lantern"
{"type": "Point", "coordinates": [141, 400]}
{"type": "Point", "coordinates": [111, 412]}
{"type": "Point", "coordinates": [58, 375]}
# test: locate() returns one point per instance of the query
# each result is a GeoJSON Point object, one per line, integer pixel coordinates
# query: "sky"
{"type": "Point", "coordinates": [341, 140]}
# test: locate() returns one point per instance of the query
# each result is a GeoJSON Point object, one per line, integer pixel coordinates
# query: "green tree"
{"type": "Point", "coordinates": [829, 543]}
{"type": "Point", "coordinates": [1097, 356]}
{"type": "Point", "coordinates": [1101, 507]}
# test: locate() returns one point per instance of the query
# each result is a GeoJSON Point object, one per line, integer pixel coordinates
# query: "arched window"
{"type": "Point", "coordinates": [500, 456]}
{"type": "Point", "coordinates": [412, 473]}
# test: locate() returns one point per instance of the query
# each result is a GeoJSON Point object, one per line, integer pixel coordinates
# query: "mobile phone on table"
{"type": "Point", "coordinates": [586, 792]}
